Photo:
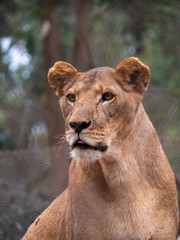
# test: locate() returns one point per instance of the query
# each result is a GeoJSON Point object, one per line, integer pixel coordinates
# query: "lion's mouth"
{"type": "Point", "coordinates": [82, 145]}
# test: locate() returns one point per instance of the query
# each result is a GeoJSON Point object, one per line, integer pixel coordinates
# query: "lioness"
{"type": "Point", "coordinates": [121, 186]}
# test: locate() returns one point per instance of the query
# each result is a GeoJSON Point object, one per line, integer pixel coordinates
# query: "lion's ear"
{"type": "Point", "coordinates": [133, 75]}
{"type": "Point", "coordinates": [60, 76]}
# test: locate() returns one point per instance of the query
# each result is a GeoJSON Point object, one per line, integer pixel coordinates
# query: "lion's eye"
{"type": "Point", "coordinates": [71, 97]}
{"type": "Point", "coordinates": [107, 96]}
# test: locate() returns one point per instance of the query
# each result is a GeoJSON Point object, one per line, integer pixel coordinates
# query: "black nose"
{"type": "Point", "coordinates": [79, 126]}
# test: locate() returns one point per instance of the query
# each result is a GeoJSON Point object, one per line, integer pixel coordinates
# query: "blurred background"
{"type": "Point", "coordinates": [34, 157]}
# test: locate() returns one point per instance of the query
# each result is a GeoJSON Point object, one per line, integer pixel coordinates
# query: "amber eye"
{"type": "Point", "coordinates": [107, 96]}
{"type": "Point", "coordinates": [71, 97]}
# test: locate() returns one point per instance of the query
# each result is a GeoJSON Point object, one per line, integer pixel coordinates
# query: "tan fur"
{"type": "Point", "coordinates": [126, 191]}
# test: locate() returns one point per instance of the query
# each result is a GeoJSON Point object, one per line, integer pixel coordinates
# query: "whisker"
{"type": "Point", "coordinates": [61, 139]}
{"type": "Point", "coordinates": [70, 132]}
{"type": "Point", "coordinates": [62, 147]}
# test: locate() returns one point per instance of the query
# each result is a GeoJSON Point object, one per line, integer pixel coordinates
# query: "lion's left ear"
{"type": "Point", "coordinates": [61, 76]}
{"type": "Point", "coordinates": [133, 75]}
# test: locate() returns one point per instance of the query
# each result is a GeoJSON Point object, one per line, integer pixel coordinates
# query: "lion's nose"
{"type": "Point", "coordinates": [79, 126]}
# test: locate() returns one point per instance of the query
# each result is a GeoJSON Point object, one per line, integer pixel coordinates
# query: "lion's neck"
{"type": "Point", "coordinates": [125, 164]}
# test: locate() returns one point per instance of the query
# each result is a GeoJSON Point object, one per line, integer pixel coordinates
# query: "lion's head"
{"type": "Point", "coordinates": [98, 105]}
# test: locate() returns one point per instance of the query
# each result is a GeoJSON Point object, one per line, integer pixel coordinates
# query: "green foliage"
{"type": "Point", "coordinates": [164, 68]}
{"type": "Point", "coordinates": [117, 31]}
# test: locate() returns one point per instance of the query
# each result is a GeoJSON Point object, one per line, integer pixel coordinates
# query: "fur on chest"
{"type": "Point", "coordinates": [113, 220]}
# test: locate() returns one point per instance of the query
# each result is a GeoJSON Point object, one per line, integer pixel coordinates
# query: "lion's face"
{"type": "Point", "coordinates": [99, 104]}
{"type": "Point", "coordinates": [94, 108]}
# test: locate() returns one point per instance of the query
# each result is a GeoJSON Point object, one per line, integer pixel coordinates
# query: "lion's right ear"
{"type": "Point", "coordinates": [61, 76]}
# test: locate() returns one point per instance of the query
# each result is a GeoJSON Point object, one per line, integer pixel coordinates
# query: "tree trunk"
{"type": "Point", "coordinates": [52, 54]}
{"type": "Point", "coordinates": [82, 52]}
{"type": "Point", "coordinates": [53, 116]}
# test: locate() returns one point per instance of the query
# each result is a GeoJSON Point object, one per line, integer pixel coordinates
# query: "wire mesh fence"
{"type": "Point", "coordinates": [28, 185]}
{"type": "Point", "coordinates": [31, 178]}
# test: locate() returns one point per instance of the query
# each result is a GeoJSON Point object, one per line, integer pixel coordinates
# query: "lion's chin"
{"type": "Point", "coordinates": [87, 151]}
{"type": "Point", "coordinates": [87, 155]}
